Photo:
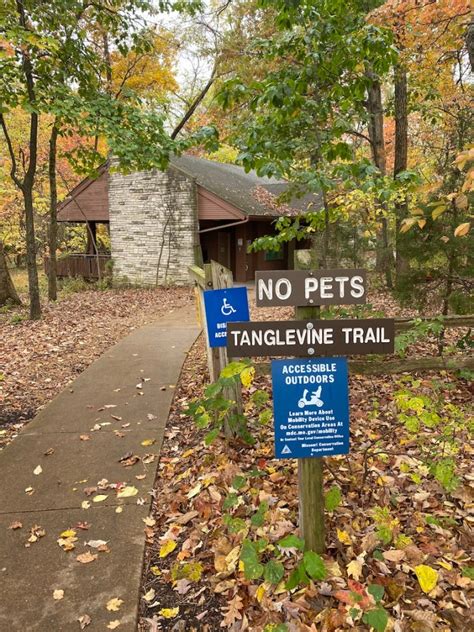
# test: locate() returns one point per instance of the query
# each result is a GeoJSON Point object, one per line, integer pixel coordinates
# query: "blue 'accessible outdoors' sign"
{"type": "Point", "coordinates": [223, 306]}
{"type": "Point", "coordinates": [311, 407]}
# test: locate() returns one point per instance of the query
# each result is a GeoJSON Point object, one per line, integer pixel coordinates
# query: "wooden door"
{"type": "Point", "coordinates": [223, 246]}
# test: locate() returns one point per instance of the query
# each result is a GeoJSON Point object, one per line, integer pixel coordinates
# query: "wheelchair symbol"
{"type": "Point", "coordinates": [227, 309]}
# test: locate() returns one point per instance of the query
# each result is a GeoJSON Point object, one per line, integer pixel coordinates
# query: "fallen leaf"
{"type": "Point", "coordinates": [344, 537]}
{"type": "Point", "coordinates": [95, 544]}
{"type": "Point", "coordinates": [16, 525]}
{"type": "Point", "coordinates": [86, 558]}
{"type": "Point", "coordinates": [99, 498]}
{"type": "Point", "coordinates": [114, 624]}
{"type": "Point", "coordinates": [69, 533]}
{"type": "Point", "coordinates": [38, 469]}
{"type": "Point", "coordinates": [149, 595]}
{"type": "Point", "coordinates": [169, 613]}
{"type": "Point", "coordinates": [395, 555]}
{"type": "Point", "coordinates": [427, 577]}
{"type": "Point", "coordinates": [114, 604]}
{"type": "Point", "coordinates": [85, 504]}
{"type": "Point", "coordinates": [167, 547]}
{"type": "Point", "coordinates": [354, 569]}
{"type": "Point", "coordinates": [84, 437]}
{"type": "Point", "coordinates": [58, 594]}
{"type": "Point", "coordinates": [147, 442]}
{"type": "Point", "coordinates": [127, 492]}
{"type": "Point", "coordinates": [149, 521]}
{"type": "Point", "coordinates": [84, 621]}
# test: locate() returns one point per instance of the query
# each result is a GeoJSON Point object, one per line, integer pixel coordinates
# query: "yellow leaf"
{"type": "Point", "coordinates": [421, 223]}
{"type": "Point", "coordinates": [439, 210]}
{"type": "Point", "coordinates": [167, 547]}
{"type": "Point", "coordinates": [155, 570]}
{"type": "Point", "coordinates": [69, 533]}
{"type": "Point", "coordinates": [127, 492]}
{"type": "Point", "coordinates": [247, 376]}
{"type": "Point", "coordinates": [114, 604]}
{"type": "Point", "coordinates": [194, 491]}
{"type": "Point", "coordinates": [354, 569]}
{"type": "Point", "coordinates": [149, 521]}
{"type": "Point", "coordinates": [445, 565]}
{"type": "Point", "coordinates": [344, 537]}
{"type": "Point", "coordinates": [119, 510]}
{"type": "Point", "coordinates": [38, 469]}
{"type": "Point", "coordinates": [85, 504]}
{"type": "Point", "coordinates": [148, 442]}
{"type": "Point", "coordinates": [169, 613]}
{"type": "Point", "coordinates": [462, 229]}
{"type": "Point", "coordinates": [427, 577]}
{"type": "Point", "coordinates": [260, 593]}
{"type": "Point", "coordinates": [407, 223]}
{"type": "Point", "coordinates": [99, 498]}
{"type": "Point", "coordinates": [113, 624]}
{"type": "Point", "coordinates": [58, 594]}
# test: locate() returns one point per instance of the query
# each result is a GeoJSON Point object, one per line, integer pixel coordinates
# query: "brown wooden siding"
{"type": "Point", "coordinates": [79, 265]}
{"type": "Point", "coordinates": [89, 200]}
{"type": "Point", "coordinates": [210, 206]}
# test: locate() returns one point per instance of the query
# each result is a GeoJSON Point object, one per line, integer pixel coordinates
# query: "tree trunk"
{"type": "Point", "coordinates": [375, 128]}
{"type": "Point", "coordinates": [53, 222]}
{"type": "Point", "coordinates": [29, 178]}
{"type": "Point", "coordinates": [470, 41]}
{"type": "Point", "coordinates": [400, 164]}
{"type": "Point", "coordinates": [33, 285]}
{"type": "Point", "coordinates": [8, 294]}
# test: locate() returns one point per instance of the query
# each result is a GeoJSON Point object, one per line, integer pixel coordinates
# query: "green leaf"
{"type": "Point", "coordinates": [314, 565]}
{"type": "Point", "coordinates": [291, 542]}
{"type": "Point", "coordinates": [231, 501]}
{"type": "Point", "coordinates": [258, 517]}
{"type": "Point", "coordinates": [265, 416]}
{"type": "Point", "coordinates": [297, 577]}
{"type": "Point", "coordinates": [376, 591]}
{"type": "Point", "coordinates": [273, 572]}
{"type": "Point", "coordinates": [468, 571]}
{"type": "Point", "coordinates": [377, 619]}
{"type": "Point", "coordinates": [249, 556]}
{"type": "Point", "coordinates": [211, 436]}
{"type": "Point", "coordinates": [333, 498]}
{"type": "Point", "coordinates": [238, 482]}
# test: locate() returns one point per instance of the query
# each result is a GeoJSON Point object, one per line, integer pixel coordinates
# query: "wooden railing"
{"type": "Point", "coordinates": [80, 265]}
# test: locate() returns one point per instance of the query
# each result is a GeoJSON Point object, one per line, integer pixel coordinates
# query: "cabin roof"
{"type": "Point", "coordinates": [249, 193]}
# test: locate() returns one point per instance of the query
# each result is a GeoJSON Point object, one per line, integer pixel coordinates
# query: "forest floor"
{"type": "Point", "coordinates": [222, 540]}
{"type": "Point", "coordinates": [38, 359]}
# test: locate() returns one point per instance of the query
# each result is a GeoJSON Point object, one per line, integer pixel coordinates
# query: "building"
{"type": "Point", "coordinates": [162, 222]}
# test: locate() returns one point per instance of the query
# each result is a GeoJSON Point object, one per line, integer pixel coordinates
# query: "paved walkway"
{"type": "Point", "coordinates": [116, 405]}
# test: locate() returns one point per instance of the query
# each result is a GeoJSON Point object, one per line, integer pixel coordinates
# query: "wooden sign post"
{"type": "Point", "coordinates": [310, 470]}
{"type": "Point", "coordinates": [305, 434]}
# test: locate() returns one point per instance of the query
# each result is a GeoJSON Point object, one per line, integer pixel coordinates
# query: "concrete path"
{"type": "Point", "coordinates": [116, 405]}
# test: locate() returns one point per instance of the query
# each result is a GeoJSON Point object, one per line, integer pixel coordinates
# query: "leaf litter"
{"type": "Point", "coordinates": [397, 542]}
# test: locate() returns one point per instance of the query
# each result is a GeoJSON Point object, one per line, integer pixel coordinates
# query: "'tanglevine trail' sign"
{"type": "Point", "coordinates": [309, 338]}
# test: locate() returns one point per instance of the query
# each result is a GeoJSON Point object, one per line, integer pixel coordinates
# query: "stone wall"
{"type": "Point", "coordinates": [153, 227]}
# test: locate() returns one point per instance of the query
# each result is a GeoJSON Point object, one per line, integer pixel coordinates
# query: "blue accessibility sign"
{"type": "Point", "coordinates": [223, 306]}
{"type": "Point", "coordinates": [311, 407]}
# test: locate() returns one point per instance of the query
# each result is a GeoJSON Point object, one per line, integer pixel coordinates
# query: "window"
{"type": "Point", "coordinates": [274, 255]}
